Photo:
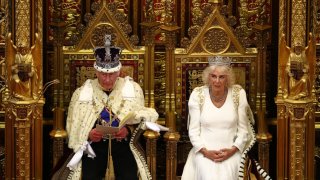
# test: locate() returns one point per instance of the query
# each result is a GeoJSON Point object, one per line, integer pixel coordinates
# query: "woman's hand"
{"type": "Point", "coordinates": [226, 153]}
{"type": "Point", "coordinates": [95, 136]}
{"type": "Point", "coordinates": [211, 154]}
{"type": "Point", "coordinates": [220, 155]}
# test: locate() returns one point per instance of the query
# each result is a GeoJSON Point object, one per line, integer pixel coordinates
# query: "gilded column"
{"type": "Point", "coordinates": [22, 29]}
{"type": "Point", "coordinates": [58, 132]}
{"type": "Point", "coordinates": [149, 26]}
{"type": "Point", "coordinates": [262, 28]}
{"type": "Point", "coordinates": [301, 155]}
{"type": "Point", "coordinates": [296, 94]}
{"type": "Point", "coordinates": [23, 154]}
{"type": "Point", "coordinates": [23, 116]}
{"type": "Point", "coordinates": [263, 136]}
{"type": "Point", "coordinates": [282, 124]}
{"type": "Point", "coordinates": [151, 151]}
{"type": "Point", "coordinates": [172, 137]}
{"type": "Point", "coordinates": [298, 22]}
{"type": "Point", "coordinates": [170, 104]}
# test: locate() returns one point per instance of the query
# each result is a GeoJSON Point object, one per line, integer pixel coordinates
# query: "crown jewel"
{"type": "Point", "coordinates": [219, 61]}
{"type": "Point", "coordinates": [107, 57]}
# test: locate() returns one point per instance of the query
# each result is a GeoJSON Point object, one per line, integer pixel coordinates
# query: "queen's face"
{"type": "Point", "coordinates": [218, 80]}
{"type": "Point", "coordinates": [107, 80]}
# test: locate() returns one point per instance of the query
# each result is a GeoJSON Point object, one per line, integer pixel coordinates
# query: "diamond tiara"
{"type": "Point", "coordinates": [219, 61]}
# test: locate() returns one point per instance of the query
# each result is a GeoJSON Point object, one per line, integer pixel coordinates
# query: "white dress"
{"type": "Point", "coordinates": [216, 128]}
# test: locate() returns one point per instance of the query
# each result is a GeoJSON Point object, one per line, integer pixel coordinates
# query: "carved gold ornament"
{"type": "Point", "coordinates": [215, 40]}
{"type": "Point", "coordinates": [297, 69]}
{"type": "Point", "coordinates": [24, 70]}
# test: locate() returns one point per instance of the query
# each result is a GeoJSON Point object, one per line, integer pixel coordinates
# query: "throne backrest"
{"type": "Point", "coordinates": [215, 38]}
{"type": "Point", "coordinates": [79, 58]}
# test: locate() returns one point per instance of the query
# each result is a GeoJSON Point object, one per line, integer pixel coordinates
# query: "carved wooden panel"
{"type": "Point", "coordinates": [317, 79]}
{"type": "Point", "coordinates": [2, 160]}
{"type": "Point", "coordinates": [317, 15]}
{"type": "Point", "coordinates": [317, 153]}
{"type": "Point", "coordinates": [317, 126]}
{"type": "Point", "coordinates": [159, 83]}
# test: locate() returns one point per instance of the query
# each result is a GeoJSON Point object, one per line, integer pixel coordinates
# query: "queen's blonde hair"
{"type": "Point", "coordinates": [226, 69]}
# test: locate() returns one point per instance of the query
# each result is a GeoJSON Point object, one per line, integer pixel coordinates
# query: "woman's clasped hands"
{"type": "Point", "coordinates": [219, 155]}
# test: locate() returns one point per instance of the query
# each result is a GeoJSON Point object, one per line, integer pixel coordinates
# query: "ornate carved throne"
{"type": "Point", "coordinates": [215, 38]}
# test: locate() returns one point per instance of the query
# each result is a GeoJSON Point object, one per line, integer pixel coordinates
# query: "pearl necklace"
{"type": "Point", "coordinates": [218, 99]}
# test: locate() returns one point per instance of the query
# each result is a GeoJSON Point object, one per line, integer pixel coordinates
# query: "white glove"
{"type": "Point", "coordinates": [156, 127]}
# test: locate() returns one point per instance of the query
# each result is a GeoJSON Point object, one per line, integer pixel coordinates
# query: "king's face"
{"type": "Point", "coordinates": [107, 80]}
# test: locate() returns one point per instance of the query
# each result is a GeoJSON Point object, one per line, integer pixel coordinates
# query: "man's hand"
{"type": "Point", "coordinates": [95, 136]}
{"type": "Point", "coordinates": [123, 133]}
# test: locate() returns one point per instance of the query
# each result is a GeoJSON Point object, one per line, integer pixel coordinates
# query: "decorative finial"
{"type": "Point", "coordinates": [107, 45]}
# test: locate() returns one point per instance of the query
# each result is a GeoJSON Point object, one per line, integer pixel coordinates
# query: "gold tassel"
{"type": "Point", "coordinates": [110, 170]}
